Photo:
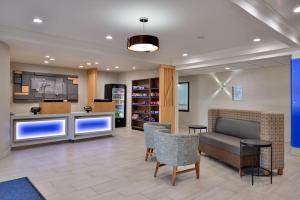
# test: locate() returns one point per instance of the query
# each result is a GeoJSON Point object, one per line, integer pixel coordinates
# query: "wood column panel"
{"type": "Point", "coordinates": [91, 85]}
{"type": "Point", "coordinates": [167, 97]}
{"type": "Point", "coordinates": [55, 107]}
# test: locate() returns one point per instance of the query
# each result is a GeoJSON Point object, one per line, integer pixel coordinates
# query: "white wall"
{"type": "Point", "coordinates": [4, 105]}
{"type": "Point", "coordinates": [127, 78]}
{"type": "Point", "coordinates": [82, 87]}
{"type": "Point", "coordinates": [265, 89]}
{"type": "Point", "coordinates": [102, 79]}
{"type": "Point", "coordinates": [105, 78]}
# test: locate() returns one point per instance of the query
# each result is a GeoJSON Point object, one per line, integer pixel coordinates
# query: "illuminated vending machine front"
{"type": "Point", "coordinates": [39, 129]}
{"type": "Point", "coordinates": [96, 124]}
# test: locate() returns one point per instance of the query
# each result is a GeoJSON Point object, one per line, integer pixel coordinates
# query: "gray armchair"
{"type": "Point", "coordinates": [149, 129]}
{"type": "Point", "coordinates": [176, 150]}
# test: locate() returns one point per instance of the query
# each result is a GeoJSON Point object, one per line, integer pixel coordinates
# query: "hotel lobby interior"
{"type": "Point", "coordinates": [150, 100]}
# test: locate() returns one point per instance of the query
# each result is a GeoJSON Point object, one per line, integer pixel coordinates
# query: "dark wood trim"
{"type": "Point", "coordinates": [177, 172]}
{"type": "Point", "coordinates": [228, 157]}
{"type": "Point", "coordinates": [188, 110]}
{"type": "Point", "coordinates": [280, 172]}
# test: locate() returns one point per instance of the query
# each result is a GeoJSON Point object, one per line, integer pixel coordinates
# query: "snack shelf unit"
{"type": "Point", "coordinates": [145, 102]}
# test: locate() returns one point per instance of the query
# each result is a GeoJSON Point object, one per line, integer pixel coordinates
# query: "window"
{"type": "Point", "coordinates": [183, 96]}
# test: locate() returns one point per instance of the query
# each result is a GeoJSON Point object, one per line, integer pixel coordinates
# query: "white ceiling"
{"type": "Point", "coordinates": [285, 8]}
{"type": "Point", "coordinates": [282, 61]}
{"type": "Point", "coordinates": [74, 31]}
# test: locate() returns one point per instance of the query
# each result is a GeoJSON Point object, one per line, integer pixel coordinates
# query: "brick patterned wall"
{"type": "Point", "coordinates": [272, 129]}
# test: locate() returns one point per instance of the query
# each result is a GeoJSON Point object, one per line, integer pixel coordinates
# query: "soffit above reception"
{"type": "Point", "coordinates": [225, 27]}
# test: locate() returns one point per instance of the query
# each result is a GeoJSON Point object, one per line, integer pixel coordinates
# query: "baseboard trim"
{"type": "Point", "coordinates": [295, 151]}
{"type": "Point", "coordinates": [4, 153]}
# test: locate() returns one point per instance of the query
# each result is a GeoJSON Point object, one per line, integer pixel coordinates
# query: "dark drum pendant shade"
{"type": "Point", "coordinates": [143, 43]}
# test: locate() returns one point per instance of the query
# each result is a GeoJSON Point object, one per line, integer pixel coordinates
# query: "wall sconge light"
{"type": "Point", "coordinates": [223, 86]}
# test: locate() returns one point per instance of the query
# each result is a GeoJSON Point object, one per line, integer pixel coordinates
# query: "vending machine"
{"type": "Point", "coordinates": [117, 93]}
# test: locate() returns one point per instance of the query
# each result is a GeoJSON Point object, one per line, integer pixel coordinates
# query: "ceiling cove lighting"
{"type": "Point", "coordinates": [143, 43]}
{"type": "Point", "coordinates": [297, 9]}
{"type": "Point", "coordinates": [256, 40]}
{"type": "Point", "coordinates": [37, 20]}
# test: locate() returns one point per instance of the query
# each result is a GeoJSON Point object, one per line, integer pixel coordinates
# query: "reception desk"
{"type": "Point", "coordinates": [46, 128]}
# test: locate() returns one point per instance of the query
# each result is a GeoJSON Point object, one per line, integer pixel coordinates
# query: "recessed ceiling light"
{"type": "Point", "coordinates": [107, 69]}
{"type": "Point", "coordinates": [47, 56]}
{"type": "Point", "coordinates": [297, 9]}
{"type": "Point", "coordinates": [227, 68]}
{"type": "Point", "coordinates": [117, 67]}
{"type": "Point", "coordinates": [37, 20]}
{"type": "Point", "coordinates": [81, 66]}
{"type": "Point", "coordinates": [52, 59]}
{"type": "Point", "coordinates": [96, 63]}
{"type": "Point", "coordinates": [108, 37]}
{"type": "Point", "coordinates": [133, 67]}
{"type": "Point", "coordinates": [46, 61]}
{"type": "Point", "coordinates": [88, 63]}
{"type": "Point", "coordinates": [256, 40]}
{"type": "Point", "coordinates": [185, 54]}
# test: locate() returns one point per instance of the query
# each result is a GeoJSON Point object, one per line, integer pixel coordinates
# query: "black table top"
{"type": "Point", "coordinates": [197, 126]}
{"type": "Point", "coordinates": [256, 143]}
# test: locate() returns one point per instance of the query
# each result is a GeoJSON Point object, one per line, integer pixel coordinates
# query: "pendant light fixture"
{"type": "Point", "coordinates": [143, 43]}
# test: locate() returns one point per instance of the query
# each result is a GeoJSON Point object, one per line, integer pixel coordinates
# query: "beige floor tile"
{"type": "Point", "coordinates": [114, 168]}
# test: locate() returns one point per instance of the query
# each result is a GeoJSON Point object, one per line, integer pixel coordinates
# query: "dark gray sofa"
{"type": "Point", "coordinates": [224, 143]}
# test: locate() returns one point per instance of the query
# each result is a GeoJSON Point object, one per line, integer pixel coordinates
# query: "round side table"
{"type": "Point", "coordinates": [257, 144]}
{"type": "Point", "coordinates": [200, 127]}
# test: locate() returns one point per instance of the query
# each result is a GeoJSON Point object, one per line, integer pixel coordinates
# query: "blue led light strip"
{"type": "Point", "coordinates": [40, 129]}
{"type": "Point", "coordinates": [93, 124]}
{"type": "Point", "coordinates": [295, 103]}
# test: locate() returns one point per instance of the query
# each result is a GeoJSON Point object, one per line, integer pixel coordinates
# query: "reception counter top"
{"type": "Point", "coordinates": [29, 129]}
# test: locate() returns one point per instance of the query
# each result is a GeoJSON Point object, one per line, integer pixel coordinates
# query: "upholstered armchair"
{"type": "Point", "coordinates": [176, 150]}
{"type": "Point", "coordinates": [149, 129]}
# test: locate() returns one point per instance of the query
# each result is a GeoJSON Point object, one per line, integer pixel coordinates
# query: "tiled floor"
{"type": "Point", "coordinates": [114, 168]}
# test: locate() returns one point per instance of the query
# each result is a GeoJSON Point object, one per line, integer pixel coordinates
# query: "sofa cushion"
{"type": "Point", "coordinates": [238, 128]}
{"type": "Point", "coordinates": [225, 142]}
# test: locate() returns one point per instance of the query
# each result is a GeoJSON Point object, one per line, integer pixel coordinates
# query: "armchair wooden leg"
{"type": "Point", "coordinates": [241, 172]}
{"type": "Point", "coordinates": [174, 175]}
{"type": "Point", "coordinates": [197, 167]}
{"type": "Point", "coordinates": [147, 154]}
{"type": "Point", "coordinates": [280, 171]}
{"type": "Point", "coordinates": [156, 169]}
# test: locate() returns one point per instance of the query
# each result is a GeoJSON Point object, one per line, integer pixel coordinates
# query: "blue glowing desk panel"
{"type": "Point", "coordinates": [87, 125]}
{"type": "Point", "coordinates": [46, 128]}
{"type": "Point", "coordinates": [37, 129]}
{"type": "Point", "coordinates": [43, 128]}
